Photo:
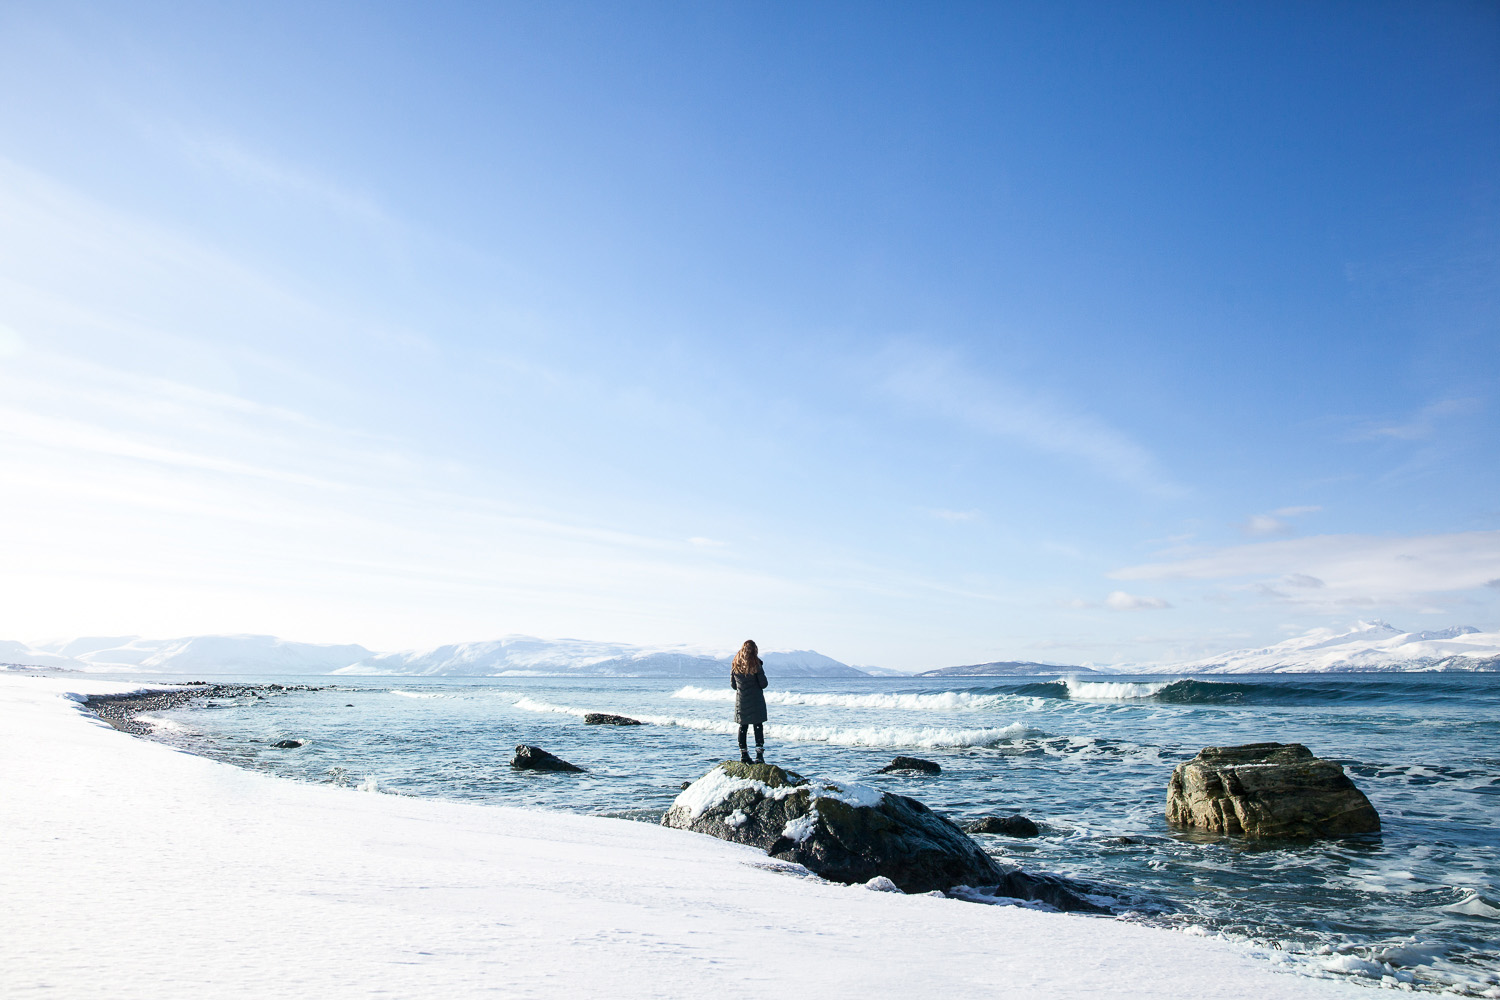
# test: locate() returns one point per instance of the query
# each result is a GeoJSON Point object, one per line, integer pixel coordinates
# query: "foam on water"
{"type": "Point", "coordinates": [1111, 690]}
{"type": "Point", "coordinates": [861, 736]}
{"type": "Point", "coordinates": [942, 701]}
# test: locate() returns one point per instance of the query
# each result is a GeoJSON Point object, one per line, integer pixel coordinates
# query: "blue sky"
{"type": "Point", "coordinates": [915, 334]}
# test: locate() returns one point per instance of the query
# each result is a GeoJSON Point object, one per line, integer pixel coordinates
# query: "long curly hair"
{"type": "Point", "coordinates": [747, 660]}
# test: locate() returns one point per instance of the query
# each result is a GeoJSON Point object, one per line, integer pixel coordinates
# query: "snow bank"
{"type": "Point", "coordinates": [134, 870]}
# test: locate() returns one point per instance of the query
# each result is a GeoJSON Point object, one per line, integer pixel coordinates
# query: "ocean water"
{"type": "Point", "coordinates": [1415, 907]}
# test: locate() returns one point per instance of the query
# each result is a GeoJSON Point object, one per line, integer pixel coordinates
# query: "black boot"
{"type": "Point", "coordinates": [745, 756]}
{"type": "Point", "coordinates": [760, 755]}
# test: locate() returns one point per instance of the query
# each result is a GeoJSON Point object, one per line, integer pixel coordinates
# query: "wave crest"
{"type": "Point", "coordinates": [859, 736]}
{"type": "Point", "coordinates": [942, 701]}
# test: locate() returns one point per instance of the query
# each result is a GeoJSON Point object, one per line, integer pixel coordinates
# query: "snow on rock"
{"type": "Point", "coordinates": [843, 831]}
{"type": "Point", "coordinates": [134, 870]}
{"type": "Point", "coordinates": [1365, 646]}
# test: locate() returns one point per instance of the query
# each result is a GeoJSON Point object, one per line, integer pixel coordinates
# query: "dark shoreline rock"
{"type": "Point", "coordinates": [530, 758]}
{"type": "Point", "coordinates": [913, 764]}
{"type": "Point", "coordinates": [1005, 826]}
{"type": "Point", "coordinates": [853, 834]}
{"type": "Point", "coordinates": [605, 719]}
{"type": "Point", "coordinates": [1268, 790]}
{"type": "Point", "coordinates": [119, 710]}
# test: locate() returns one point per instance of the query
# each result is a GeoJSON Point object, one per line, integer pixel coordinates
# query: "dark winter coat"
{"type": "Point", "coordinates": [749, 703]}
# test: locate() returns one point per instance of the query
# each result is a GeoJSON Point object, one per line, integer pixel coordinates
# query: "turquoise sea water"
{"type": "Point", "coordinates": [1415, 907]}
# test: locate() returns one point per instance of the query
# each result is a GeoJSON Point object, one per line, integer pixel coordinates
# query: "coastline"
{"type": "Point", "coordinates": [339, 892]}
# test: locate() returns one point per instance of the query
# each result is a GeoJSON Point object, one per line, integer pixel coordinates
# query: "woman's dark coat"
{"type": "Point", "coordinates": [749, 703]}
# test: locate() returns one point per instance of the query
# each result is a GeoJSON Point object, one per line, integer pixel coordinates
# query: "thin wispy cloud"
{"type": "Point", "coordinates": [936, 382]}
{"type": "Point", "coordinates": [1338, 570]}
{"type": "Point", "coordinates": [261, 170]}
{"type": "Point", "coordinates": [1422, 425]}
{"type": "Point", "coordinates": [1119, 600]}
{"type": "Point", "coordinates": [955, 515]}
{"type": "Point", "coordinates": [1276, 523]}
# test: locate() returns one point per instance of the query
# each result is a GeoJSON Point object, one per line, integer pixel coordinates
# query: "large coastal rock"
{"type": "Point", "coordinates": [842, 831]}
{"type": "Point", "coordinates": [853, 833]}
{"type": "Point", "coordinates": [1268, 790]}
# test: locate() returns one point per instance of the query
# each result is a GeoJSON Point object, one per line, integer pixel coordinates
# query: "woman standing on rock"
{"type": "Point", "coordinates": [748, 678]}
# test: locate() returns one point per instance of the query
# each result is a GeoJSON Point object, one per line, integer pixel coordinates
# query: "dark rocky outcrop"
{"type": "Point", "coordinates": [1268, 790]}
{"type": "Point", "coordinates": [605, 719]}
{"type": "Point", "coordinates": [1005, 826]}
{"type": "Point", "coordinates": [287, 744]}
{"type": "Point", "coordinates": [529, 758]}
{"type": "Point", "coordinates": [852, 834]}
{"type": "Point", "coordinates": [916, 764]}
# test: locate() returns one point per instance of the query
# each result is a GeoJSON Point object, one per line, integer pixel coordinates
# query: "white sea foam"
{"type": "Point", "coordinates": [861, 736]}
{"type": "Point", "coordinates": [533, 705]}
{"type": "Point", "coordinates": [1110, 690]}
{"type": "Point", "coordinates": [417, 694]}
{"type": "Point", "coordinates": [942, 701]}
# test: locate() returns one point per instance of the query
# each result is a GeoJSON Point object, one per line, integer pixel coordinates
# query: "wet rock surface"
{"type": "Point", "coordinates": [911, 764]}
{"type": "Point", "coordinates": [120, 710]}
{"type": "Point", "coordinates": [853, 833]}
{"type": "Point", "coordinates": [530, 758]}
{"type": "Point", "coordinates": [605, 719]}
{"type": "Point", "coordinates": [287, 744]}
{"type": "Point", "coordinates": [1268, 790]}
{"type": "Point", "coordinates": [1005, 826]}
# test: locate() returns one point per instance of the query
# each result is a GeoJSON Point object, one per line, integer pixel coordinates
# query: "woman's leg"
{"type": "Point", "coordinates": [760, 736]}
{"type": "Point", "coordinates": [743, 728]}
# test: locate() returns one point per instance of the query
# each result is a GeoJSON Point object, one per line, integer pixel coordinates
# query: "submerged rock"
{"type": "Point", "coordinates": [529, 758]}
{"type": "Point", "coordinates": [605, 719]}
{"type": "Point", "coordinates": [1006, 826]}
{"type": "Point", "coordinates": [851, 833]}
{"type": "Point", "coordinates": [911, 764]}
{"type": "Point", "coordinates": [287, 744]}
{"type": "Point", "coordinates": [1268, 790]}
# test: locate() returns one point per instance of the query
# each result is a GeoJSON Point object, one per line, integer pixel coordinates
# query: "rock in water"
{"type": "Point", "coordinates": [1268, 790]}
{"type": "Point", "coordinates": [1007, 826]}
{"type": "Point", "coordinates": [605, 719]}
{"type": "Point", "coordinates": [287, 744]}
{"type": "Point", "coordinates": [844, 832]}
{"type": "Point", "coordinates": [529, 758]}
{"type": "Point", "coordinates": [911, 764]}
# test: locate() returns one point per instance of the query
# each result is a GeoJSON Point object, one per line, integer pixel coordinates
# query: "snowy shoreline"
{"type": "Point", "coordinates": [336, 892]}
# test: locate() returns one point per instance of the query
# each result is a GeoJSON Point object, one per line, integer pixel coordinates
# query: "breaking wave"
{"type": "Point", "coordinates": [1076, 690]}
{"type": "Point", "coordinates": [1196, 692]}
{"type": "Point", "coordinates": [855, 736]}
{"type": "Point", "coordinates": [942, 701]}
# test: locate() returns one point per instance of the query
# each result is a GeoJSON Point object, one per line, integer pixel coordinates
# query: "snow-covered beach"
{"type": "Point", "coordinates": [133, 869]}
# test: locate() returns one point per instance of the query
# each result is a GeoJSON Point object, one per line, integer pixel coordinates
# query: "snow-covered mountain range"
{"type": "Point", "coordinates": [515, 655]}
{"type": "Point", "coordinates": [1365, 647]}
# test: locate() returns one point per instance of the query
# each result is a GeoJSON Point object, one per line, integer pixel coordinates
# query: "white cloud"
{"type": "Point", "coordinates": [1353, 569]}
{"type": "Point", "coordinates": [699, 542]}
{"type": "Point", "coordinates": [955, 515]}
{"type": "Point", "coordinates": [1274, 524]}
{"type": "Point", "coordinates": [938, 383]}
{"type": "Point", "coordinates": [1121, 601]}
{"type": "Point", "coordinates": [1424, 423]}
